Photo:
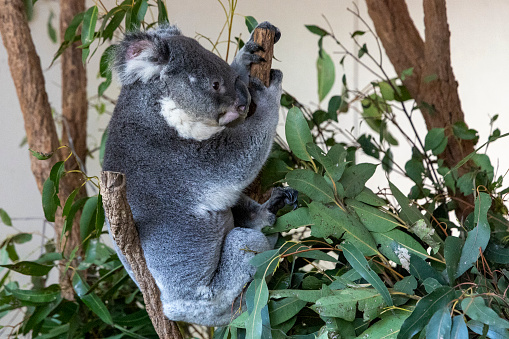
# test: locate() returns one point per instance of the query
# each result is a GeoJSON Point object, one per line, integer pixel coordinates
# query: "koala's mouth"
{"type": "Point", "coordinates": [231, 118]}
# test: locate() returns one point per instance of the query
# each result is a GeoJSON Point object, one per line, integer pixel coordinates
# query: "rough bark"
{"type": "Point", "coordinates": [26, 72]}
{"type": "Point", "coordinates": [125, 234]}
{"type": "Point", "coordinates": [74, 134]}
{"type": "Point", "coordinates": [432, 84]}
{"type": "Point", "coordinates": [265, 38]}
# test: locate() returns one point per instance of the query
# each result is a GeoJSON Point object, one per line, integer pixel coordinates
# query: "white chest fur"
{"type": "Point", "coordinates": [188, 127]}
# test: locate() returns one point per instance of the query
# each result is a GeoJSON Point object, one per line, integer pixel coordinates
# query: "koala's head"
{"type": "Point", "coordinates": [200, 93]}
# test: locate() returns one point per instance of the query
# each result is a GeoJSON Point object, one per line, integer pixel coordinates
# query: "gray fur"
{"type": "Point", "coordinates": [197, 230]}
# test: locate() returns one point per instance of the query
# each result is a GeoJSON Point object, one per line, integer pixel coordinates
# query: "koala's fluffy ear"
{"type": "Point", "coordinates": [142, 55]}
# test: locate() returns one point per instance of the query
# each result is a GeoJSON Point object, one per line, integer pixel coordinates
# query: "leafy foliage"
{"type": "Point", "coordinates": [348, 263]}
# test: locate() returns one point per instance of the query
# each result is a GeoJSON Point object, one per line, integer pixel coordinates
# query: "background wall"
{"type": "Point", "coordinates": [480, 48]}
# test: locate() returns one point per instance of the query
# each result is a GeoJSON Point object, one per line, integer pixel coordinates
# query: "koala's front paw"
{"type": "Point", "coordinates": [281, 197]}
{"type": "Point", "coordinates": [268, 25]}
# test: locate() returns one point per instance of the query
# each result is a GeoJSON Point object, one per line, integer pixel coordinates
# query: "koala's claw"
{"type": "Point", "coordinates": [281, 197]}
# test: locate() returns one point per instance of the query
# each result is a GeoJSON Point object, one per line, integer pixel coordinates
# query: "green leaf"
{"type": "Point", "coordinates": [493, 332]}
{"type": "Point", "coordinates": [374, 219]}
{"type": "Point", "coordinates": [70, 216]}
{"type": "Point", "coordinates": [420, 269]}
{"type": "Point", "coordinates": [88, 28]}
{"type": "Point", "coordinates": [40, 314]}
{"type": "Point", "coordinates": [386, 90]}
{"type": "Point", "coordinates": [88, 218]}
{"type": "Point", "coordinates": [294, 219]}
{"type": "Point", "coordinates": [284, 309]}
{"type": "Point", "coordinates": [426, 233]}
{"type": "Point", "coordinates": [344, 304]}
{"type": "Point", "coordinates": [162, 13]}
{"type": "Point", "coordinates": [363, 50]}
{"type": "Point", "coordinates": [251, 23]}
{"type": "Point", "coordinates": [118, 15]}
{"type": "Point", "coordinates": [100, 216]}
{"type": "Point", "coordinates": [52, 33]}
{"type": "Point", "coordinates": [452, 253]}
{"type": "Point", "coordinates": [69, 202]}
{"type": "Point", "coordinates": [483, 161]}
{"type": "Point", "coordinates": [311, 184]}
{"type": "Point", "coordinates": [291, 247]}
{"type": "Point", "coordinates": [459, 329]}
{"type": "Point", "coordinates": [29, 268]}
{"type": "Point", "coordinates": [317, 30]}
{"type": "Point", "coordinates": [356, 259]}
{"type": "Point", "coordinates": [434, 139]}
{"type": "Point", "coordinates": [41, 155]}
{"type": "Point", "coordinates": [105, 70]}
{"type": "Point", "coordinates": [256, 299]}
{"type": "Point", "coordinates": [476, 309]}
{"type": "Point", "coordinates": [477, 238]}
{"type": "Point", "coordinates": [50, 201]}
{"type": "Point", "coordinates": [6, 219]}
{"type": "Point", "coordinates": [388, 327]}
{"type": "Point", "coordinates": [497, 253]}
{"type": "Point", "coordinates": [409, 213]}
{"type": "Point", "coordinates": [396, 240]}
{"type": "Point", "coordinates": [326, 74]}
{"type": "Point", "coordinates": [425, 309]}
{"type": "Point", "coordinates": [273, 171]}
{"type": "Point", "coordinates": [93, 302]}
{"type": "Point", "coordinates": [298, 134]}
{"type": "Point", "coordinates": [355, 177]}
{"type": "Point", "coordinates": [45, 295]}
{"type": "Point", "coordinates": [430, 284]}
{"type": "Point", "coordinates": [70, 32]}
{"type": "Point", "coordinates": [439, 327]}
{"type": "Point", "coordinates": [461, 130]}
{"type": "Point", "coordinates": [337, 223]}
{"type": "Point", "coordinates": [56, 173]}
{"type": "Point", "coordinates": [265, 262]}
{"type": "Point", "coordinates": [332, 167]}
{"type": "Point", "coordinates": [368, 197]}
{"type": "Point", "coordinates": [388, 161]}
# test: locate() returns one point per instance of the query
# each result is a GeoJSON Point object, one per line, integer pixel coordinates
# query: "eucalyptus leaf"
{"type": "Point", "coordinates": [45, 295]}
{"type": "Point", "coordinates": [29, 268]}
{"type": "Point", "coordinates": [284, 309]}
{"type": "Point", "coordinates": [459, 329]}
{"type": "Point", "coordinates": [355, 177]}
{"type": "Point", "coordinates": [88, 28]}
{"type": "Point", "coordinates": [388, 327]}
{"type": "Point", "coordinates": [298, 134]}
{"type": "Point", "coordinates": [91, 300]}
{"type": "Point", "coordinates": [356, 259]}
{"type": "Point", "coordinates": [476, 309]}
{"type": "Point", "coordinates": [439, 327]}
{"type": "Point", "coordinates": [326, 74]}
{"type": "Point", "coordinates": [337, 223]}
{"type": "Point", "coordinates": [311, 184]}
{"type": "Point", "coordinates": [294, 219]}
{"type": "Point", "coordinates": [6, 219]}
{"type": "Point", "coordinates": [424, 310]}
{"type": "Point", "coordinates": [374, 219]}
{"type": "Point", "coordinates": [256, 299]}
{"type": "Point", "coordinates": [477, 238]}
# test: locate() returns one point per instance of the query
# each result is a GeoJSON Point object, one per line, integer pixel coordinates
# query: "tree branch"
{"type": "Point", "coordinates": [125, 235]}
{"type": "Point", "coordinates": [432, 84]}
{"type": "Point", "coordinates": [26, 72]}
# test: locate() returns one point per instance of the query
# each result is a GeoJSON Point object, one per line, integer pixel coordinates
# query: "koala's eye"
{"type": "Point", "coordinates": [216, 85]}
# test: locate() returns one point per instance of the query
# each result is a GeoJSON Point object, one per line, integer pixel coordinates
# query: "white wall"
{"type": "Point", "coordinates": [480, 47]}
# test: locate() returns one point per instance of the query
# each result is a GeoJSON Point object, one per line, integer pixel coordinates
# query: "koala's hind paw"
{"type": "Point", "coordinates": [281, 197]}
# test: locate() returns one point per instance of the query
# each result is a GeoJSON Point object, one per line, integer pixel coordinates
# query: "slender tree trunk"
{"type": "Point", "coordinates": [26, 72]}
{"type": "Point", "coordinates": [74, 132]}
{"type": "Point", "coordinates": [432, 84]}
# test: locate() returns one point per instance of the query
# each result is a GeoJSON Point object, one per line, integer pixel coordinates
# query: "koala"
{"type": "Point", "coordinates": [181, 135]}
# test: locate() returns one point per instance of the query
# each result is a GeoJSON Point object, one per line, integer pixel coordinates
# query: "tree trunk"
{"type": "Point", "coordinates": [74, 133]}
{"type": "Point", "coordinates": [26, 72]}
{"type": "Point", "coordinates": [432, 84]}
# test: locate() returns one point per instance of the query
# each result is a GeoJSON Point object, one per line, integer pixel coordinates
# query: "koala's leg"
{"type": "Point", "coordinates": [220, 302]}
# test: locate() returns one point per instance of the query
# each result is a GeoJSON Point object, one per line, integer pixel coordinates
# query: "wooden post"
{"type": "Point", "coordinates": [125, 234]}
